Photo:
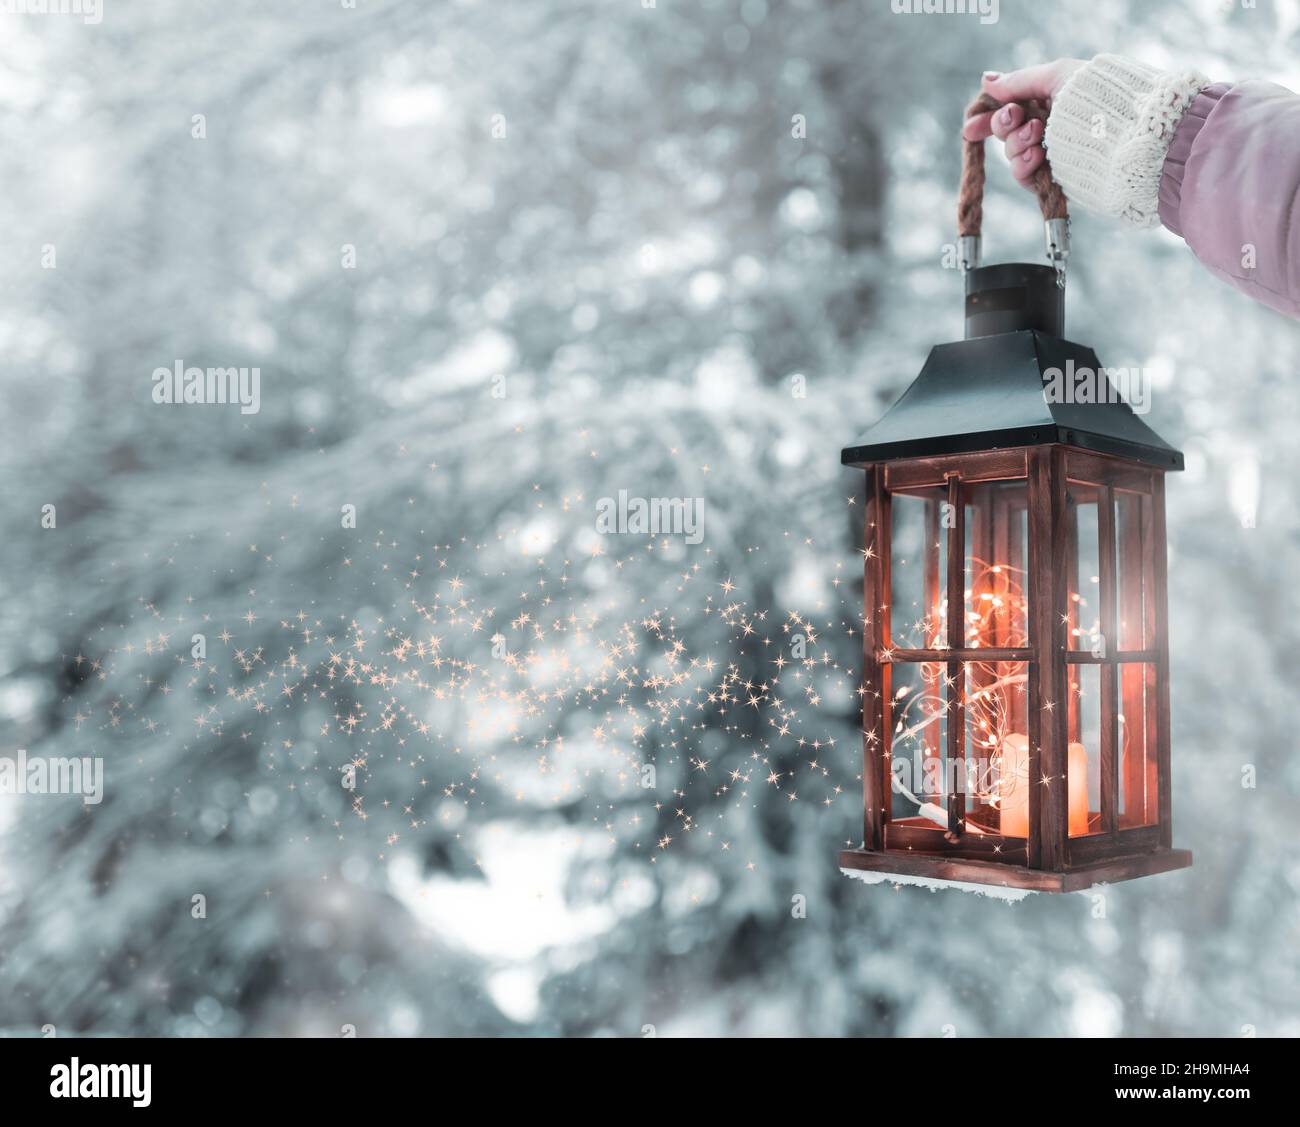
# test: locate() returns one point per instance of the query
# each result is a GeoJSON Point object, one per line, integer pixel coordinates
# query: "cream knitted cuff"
{"type": "Point", "coordinates": [1108, 132]}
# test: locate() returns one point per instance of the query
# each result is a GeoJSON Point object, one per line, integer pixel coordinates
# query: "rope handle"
{"type": "Point", "coordinates": [970, 197]}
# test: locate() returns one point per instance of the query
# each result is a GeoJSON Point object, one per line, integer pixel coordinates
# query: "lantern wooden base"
{"type": "Point", "coordinates": [936, 867]}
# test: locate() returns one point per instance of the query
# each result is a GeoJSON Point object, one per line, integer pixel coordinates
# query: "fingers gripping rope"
{"type": "Point", "coordinates": [970, 197]}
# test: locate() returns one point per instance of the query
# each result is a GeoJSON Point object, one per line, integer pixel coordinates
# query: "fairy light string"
{"type": "Point", "coordinates": [996, 615]}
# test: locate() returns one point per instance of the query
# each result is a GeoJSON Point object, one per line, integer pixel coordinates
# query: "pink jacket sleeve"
{"type": "Point", "coordinates": [1230, 186]}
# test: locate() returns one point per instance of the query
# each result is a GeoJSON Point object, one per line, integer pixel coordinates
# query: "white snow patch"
{"type": "Point", "coordinates": [519, 909]}
{"type": "Point", "coordinates": [401, 105]}
{"type": "Point", "coordinates": [488, 353]}
{"type": "Point", "coordinates": [995, 891]}
{"type": "Point", "coordinates": [517, 992]}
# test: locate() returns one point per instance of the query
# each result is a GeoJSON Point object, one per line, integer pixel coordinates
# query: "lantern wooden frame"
{"type": "Point", "coordinates": [1007, 404]}
{"type": "Point", "coordinates": [1049, 858]}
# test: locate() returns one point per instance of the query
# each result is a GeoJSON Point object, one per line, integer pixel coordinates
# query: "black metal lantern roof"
{"type": "Point", "coordinates": [989, 391]}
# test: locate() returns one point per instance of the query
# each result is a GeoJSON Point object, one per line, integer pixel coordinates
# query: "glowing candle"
{"type": "Point", "coordinates": [1013, 787]}
{"type": "Point", "coordinates": [1078, 790]}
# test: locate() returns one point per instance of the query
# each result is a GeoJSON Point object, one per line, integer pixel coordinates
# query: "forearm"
{"type": "Point", "coordinates": [1231, 188]}
{"type": "Point", "coordinates": [1217, 164]}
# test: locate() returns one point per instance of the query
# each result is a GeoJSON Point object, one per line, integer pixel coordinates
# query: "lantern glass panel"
{"type": "Point", "coordinates": [918, 570]}
{"type": "Point", "coordinates": [997, 747]}
{"type": "Point", "coordinates": [1132, 567]}
{"type": "Point", "coordinates": [1137, 745]}
{"type": "Point", "coordinates": [918, 737]}
{"type": "Point", "coordinates": [1083, 567]}
{"type": "Point", "coordinates": [996, 523]}
{"type": "Point", "coordinates": [1083, 753]}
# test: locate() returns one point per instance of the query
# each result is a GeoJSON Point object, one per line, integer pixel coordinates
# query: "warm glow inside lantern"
{"type": "Point", "coordinates": [1016, 685]}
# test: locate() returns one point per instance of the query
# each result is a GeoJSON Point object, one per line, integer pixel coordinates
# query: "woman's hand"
{"type": "Point", "coordinates": [1024, 140]}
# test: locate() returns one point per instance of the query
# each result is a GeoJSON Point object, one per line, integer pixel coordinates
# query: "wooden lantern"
{"type": "Point", "coordinates": [1016, 681]}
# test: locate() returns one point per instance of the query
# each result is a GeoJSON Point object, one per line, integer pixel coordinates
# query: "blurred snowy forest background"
{"type": "Point", "coordinates": [590, 255]}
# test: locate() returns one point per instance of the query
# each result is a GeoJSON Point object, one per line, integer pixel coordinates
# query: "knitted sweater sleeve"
{"type": "Point", "coordinates": [1110, 128]}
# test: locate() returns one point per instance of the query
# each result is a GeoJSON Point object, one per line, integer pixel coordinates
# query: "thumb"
{"type": "Point", "coordinates": [1021, 85]}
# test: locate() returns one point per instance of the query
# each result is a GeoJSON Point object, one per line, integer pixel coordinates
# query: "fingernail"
{"type": "Point", "coordinates": [1004, 114]}
{"type": "Point", "coordinates": [990, 75]}
{"type": "Point", "coordinates": [1028, 129]}
{"type": "Point", "coordinates": [1027, 155]}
